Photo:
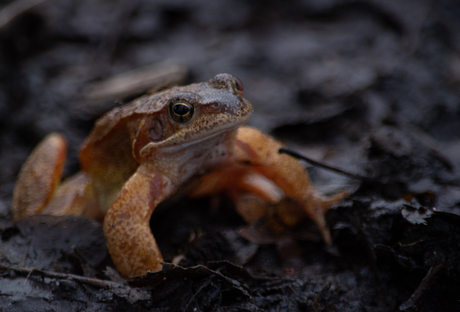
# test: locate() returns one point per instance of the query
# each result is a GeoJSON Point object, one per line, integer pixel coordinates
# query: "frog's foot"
{"type": "Point", "coordinates": [76, 197]}
{"type": "Point", "coordinates": [288, 212]}
{"type": "Point", "coordinates": [258, 198]}
{"type": "Point", "coordinates": [316, 208]}
{"type": "Point", "coordinates": [39, 177]}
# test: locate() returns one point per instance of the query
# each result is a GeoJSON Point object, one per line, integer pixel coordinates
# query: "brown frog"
{"type": "Point", "coordinates": [140, 154]}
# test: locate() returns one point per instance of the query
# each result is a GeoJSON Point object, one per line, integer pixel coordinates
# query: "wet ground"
{"type": "Point", "coordinates": [369, 86]}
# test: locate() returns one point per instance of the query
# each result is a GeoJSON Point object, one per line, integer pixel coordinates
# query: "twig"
{"type": "Point", "coordinates": [417, 298]}
{"type": "Point", "coordinates": [319, 164]}
{"type": "Point", "coordinates": [28, 275]}
{"type": "Point", "coordinates": [86, 280]}
{"type": "Point", "coordinates": [205, 284]}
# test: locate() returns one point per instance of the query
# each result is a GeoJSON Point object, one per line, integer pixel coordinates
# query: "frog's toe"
{"type": "Point", "coordinates": [39, 177]}
{"type": "Point", "coordinates": [317, 212]}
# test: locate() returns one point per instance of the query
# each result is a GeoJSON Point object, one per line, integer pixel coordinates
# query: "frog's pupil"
{"type": "Point", "coordinates": [181, 109]}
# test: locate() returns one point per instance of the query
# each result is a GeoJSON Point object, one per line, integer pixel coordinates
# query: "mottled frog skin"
{"type": "Point", "coordinates": [141, 153]}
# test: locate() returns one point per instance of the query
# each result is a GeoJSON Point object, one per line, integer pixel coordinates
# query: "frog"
{"type": "Point", "coordinates": [185, 139]}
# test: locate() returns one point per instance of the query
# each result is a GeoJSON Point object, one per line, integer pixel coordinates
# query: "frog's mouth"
{"type": "Point", "coordinates": [223, 131]}
{"type": "Point", "coordinates": [209, 136]}
{"type": "Point", "coordinates": [172, 147]}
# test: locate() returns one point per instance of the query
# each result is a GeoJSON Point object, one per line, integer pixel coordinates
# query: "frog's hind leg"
{"type": "Point", "coordinates": [260, 151]}
{"type": "Point", "coordinates": [39, 177]}
{"type": "Point", "coordinates": [76, 197]}
{"type": "Point", "coordinates": [39, 191]}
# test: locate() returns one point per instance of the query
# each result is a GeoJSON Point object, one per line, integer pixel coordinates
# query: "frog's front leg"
{"type": "Point", "coordinates": [126, 225]}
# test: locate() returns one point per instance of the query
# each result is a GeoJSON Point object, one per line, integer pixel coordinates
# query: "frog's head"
{"type": "Point", "coordinates": [183, 117]}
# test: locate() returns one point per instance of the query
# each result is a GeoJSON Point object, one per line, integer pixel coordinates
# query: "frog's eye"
{"type": "Point", "coordinates": [238, 85]}
{"type": "Point", "coordinates": [181, 112]}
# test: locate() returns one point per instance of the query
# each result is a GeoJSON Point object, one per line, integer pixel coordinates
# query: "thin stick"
{"type": "Point", "coordinates": [319, 164]}
{"type": "Point", "coordinates": [86, 280]}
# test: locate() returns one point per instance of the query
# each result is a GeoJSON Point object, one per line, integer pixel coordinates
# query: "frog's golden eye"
{"type": "Point", "coordinates": [181, 112]}
{"type": "Point", "coordinates": [238, 85]}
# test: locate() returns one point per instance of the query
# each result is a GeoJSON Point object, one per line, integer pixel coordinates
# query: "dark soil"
{"type": "Point", "coordinates": [369, 86]}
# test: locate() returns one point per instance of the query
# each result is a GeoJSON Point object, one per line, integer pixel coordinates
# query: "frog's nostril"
{"type": "Point", "coordinates": [215, 107]}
